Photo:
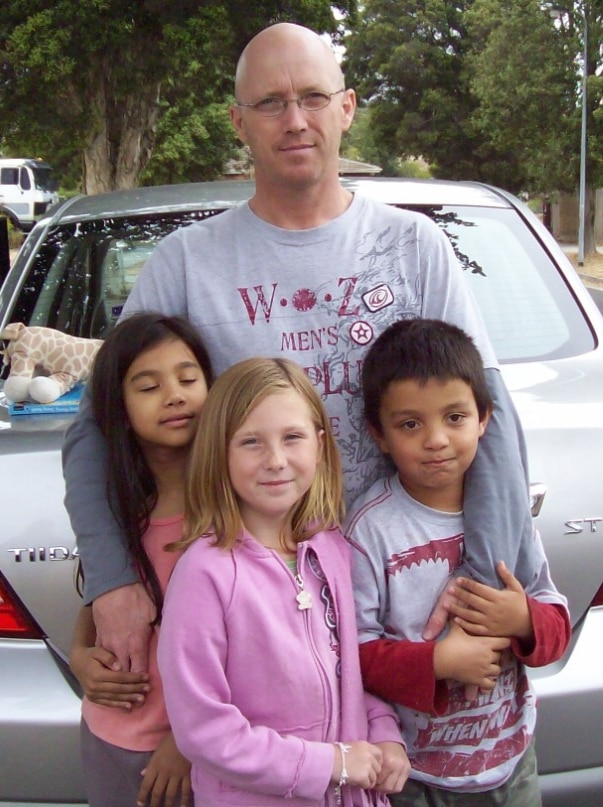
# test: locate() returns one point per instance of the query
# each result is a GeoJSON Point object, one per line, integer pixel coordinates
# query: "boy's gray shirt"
{"type": "Point", "coordinates": [404, 554]}
{"type": "Point", "coordinates": [320, 297]}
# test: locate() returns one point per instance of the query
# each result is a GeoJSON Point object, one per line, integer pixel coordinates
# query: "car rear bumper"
{"type": "Point", "coordinates": [569, 739]}
{"type": "Point", "coordinates": [39, 728]}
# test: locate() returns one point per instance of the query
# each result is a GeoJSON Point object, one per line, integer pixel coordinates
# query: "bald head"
{"type": "Point", "coordinates": [285, 47]}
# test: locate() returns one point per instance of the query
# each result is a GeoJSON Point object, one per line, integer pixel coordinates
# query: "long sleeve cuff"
{"type": "Point", "coordinates": [402, 672]}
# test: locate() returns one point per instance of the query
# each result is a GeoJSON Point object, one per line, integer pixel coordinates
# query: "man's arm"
{"type": "Point", "coordinates": [498, 522]}
{"type": "Point", "coordinates": [123, 611]}
{"type": "Point", "coordinates": [496, 507]}
{"type": "Point", "coordinates": [105, 558]}
{"type": "Point", "coordinates": [101, 546]}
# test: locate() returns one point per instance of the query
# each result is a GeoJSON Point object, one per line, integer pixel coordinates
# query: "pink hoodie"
{"type": "Point", "coordinates": [247, 696]}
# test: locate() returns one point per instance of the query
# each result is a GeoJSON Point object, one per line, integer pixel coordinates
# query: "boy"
{"type": "Point", "coordinates": [427, 404]}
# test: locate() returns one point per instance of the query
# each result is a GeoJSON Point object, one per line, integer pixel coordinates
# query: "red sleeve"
{"type": "Point", "coordinates": [552, 632]}
{"type": "Point", "coordinates": [402, 672]}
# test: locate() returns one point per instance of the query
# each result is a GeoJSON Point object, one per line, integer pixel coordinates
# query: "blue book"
{"type": "Point", "coordinates": [69, 402]}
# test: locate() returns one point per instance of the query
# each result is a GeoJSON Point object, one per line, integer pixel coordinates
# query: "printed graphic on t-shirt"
{"type": "Point", "coordinates": [446, 549]}
{"type": "Point", "coordinates": [328, 328]}
{"type": "Point", "coordinates": [472, 738]}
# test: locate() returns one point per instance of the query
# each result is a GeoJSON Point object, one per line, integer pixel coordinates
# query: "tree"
{"type": "Point", "coordinates": [95, 79]}
{"type": "Point", "coordinates": [407, 60]}
{"type": "Point", "coordinates": [482, 89]}
{"type": "Point", "coordinates": [522, 82]}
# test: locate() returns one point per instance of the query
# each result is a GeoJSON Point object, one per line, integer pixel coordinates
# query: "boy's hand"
{"type": "Point", "coordinates": [395, 768]}
{"type": "Point", "coordinates": [485, 611]}
{"type": "Point", "coordinates": [167, 778]}
{"type": "Point", "coordinates": [439, 616]}
{"type": "Point", "coordinates": [95, 669]}
{"type": "Point", "coordinates": [469, 659]}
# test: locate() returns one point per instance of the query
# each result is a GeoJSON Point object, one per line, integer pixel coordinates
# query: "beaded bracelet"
{"type": "Point", "coordinates": [343, 776]}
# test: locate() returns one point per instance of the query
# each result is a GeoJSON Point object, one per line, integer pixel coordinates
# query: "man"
{"type": "Point", "coordinates": [309, 271]}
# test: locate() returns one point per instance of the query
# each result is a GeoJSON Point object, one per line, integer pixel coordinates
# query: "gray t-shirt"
{"type": "Point", "coordinates": [318, 296]}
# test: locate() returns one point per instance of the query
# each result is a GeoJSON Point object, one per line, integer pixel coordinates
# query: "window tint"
{"type": "Point", "coordinates": [9, 176]}
{"type": "Point", "coordinates": [25, 179]}
{"type": "Point", "coordinates": [530, 313]}
{"type": "Point", "coordinates": [84, 272]}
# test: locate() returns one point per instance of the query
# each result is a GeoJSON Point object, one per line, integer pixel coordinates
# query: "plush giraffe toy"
{"type": "Point", "coordinates": [45, 363]}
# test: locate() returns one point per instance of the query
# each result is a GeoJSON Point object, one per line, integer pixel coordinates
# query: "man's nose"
{"type": "Point", "coordinates": [295, 117]}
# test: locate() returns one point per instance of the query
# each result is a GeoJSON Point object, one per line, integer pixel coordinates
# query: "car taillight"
{"type": "Point", "coordinates": [15, 622]}
{"type": "Point", "coordinates": [598, 598]}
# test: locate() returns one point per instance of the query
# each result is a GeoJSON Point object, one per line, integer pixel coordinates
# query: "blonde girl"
{"type": "Point", "coordinates": [258, 650]}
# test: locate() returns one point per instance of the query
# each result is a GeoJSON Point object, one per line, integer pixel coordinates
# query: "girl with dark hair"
{"type": "Point", "coordinates": [149, 382]}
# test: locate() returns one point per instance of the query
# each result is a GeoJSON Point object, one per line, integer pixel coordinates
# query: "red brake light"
{"type": "Point", "coordinates": [15, 622]}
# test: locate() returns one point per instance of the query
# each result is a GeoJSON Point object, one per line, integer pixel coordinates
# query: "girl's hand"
{"type": "Point", "coordinates": [469, 659]}
{"type": "Point", "coordinates": [485, 611]}
{"type": "Point", "coordinates": [362, 762]}
{"type": "Point", "coordinates": [95, 669]}
{"type": "Point", "coordinates": [166, 779]}
{"type": "Point", "coordinates": [395, 768]}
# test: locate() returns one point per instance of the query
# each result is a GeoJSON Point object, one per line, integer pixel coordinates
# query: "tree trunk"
{"type": "Point", "coordinates": [122, 133]}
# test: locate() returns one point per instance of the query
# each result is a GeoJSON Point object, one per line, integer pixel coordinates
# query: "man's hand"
{"type": "Point", "coordinates": [395, 768]}
{"type": "Point", "coordinates": [123, 619]}
{"type": "Point", "coordinates": [485, 611]}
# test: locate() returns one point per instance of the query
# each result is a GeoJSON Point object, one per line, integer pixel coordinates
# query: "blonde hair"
{"type": "Point", "coordinates": [211, 504]}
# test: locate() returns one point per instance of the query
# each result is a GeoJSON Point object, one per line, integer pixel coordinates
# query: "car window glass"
{"type": "Point", "coordinates": [83, 273]}
{"type": "Point", "coordinates": [25, 180]}
{"type": "Point", "coordinates": [9, 176]}
{"type": "Point", "coordinates": [530, 313]}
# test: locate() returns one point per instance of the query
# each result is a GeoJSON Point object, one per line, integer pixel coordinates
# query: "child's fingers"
{"type": "Point", "coordinates": [471, 591]}
{"type": "Point", "coordinates": [114, 704]}
{"type": "Point", "coordinates": [507, 577]}
{"type": "Point", "coordinates": [105, 657]}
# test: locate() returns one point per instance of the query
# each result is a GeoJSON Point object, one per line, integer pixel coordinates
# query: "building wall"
{"type": "Point", "coordinates": [565, 217]}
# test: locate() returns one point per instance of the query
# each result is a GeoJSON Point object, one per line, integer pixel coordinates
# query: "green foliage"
{"type": "Point", "coordinates": [192, 145]}
{"type": "Point", "coordinates": [88, 84]}
{"type": "Point", "coordinates": [482, 89]}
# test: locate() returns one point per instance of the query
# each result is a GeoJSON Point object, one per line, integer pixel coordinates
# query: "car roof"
{"type": "Point", "coordinates": [222, 194]}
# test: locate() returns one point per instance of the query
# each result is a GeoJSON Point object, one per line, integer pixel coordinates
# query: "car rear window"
{"type": "Point", "coordinates": [529, 310]}
{"type": "Point", "coordinates": [84, 272]}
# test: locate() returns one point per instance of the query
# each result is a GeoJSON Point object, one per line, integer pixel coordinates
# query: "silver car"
{"type": "Point", "coordinates": [74, 273]}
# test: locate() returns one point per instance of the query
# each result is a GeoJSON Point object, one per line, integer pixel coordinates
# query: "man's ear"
{"type": "Point", "coordinates": [378, 437]}
{"type": "Point", "coordinates": [236, 118]}
{"type": "Point", "coordinates": [348, 108]}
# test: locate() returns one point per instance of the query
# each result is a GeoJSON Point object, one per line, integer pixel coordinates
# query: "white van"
{"type": "Point", "coordinates": [27, 189]}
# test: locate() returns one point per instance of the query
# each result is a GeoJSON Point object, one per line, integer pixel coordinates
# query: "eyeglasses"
{"type": "Point", "coordinates": [310, 102]}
